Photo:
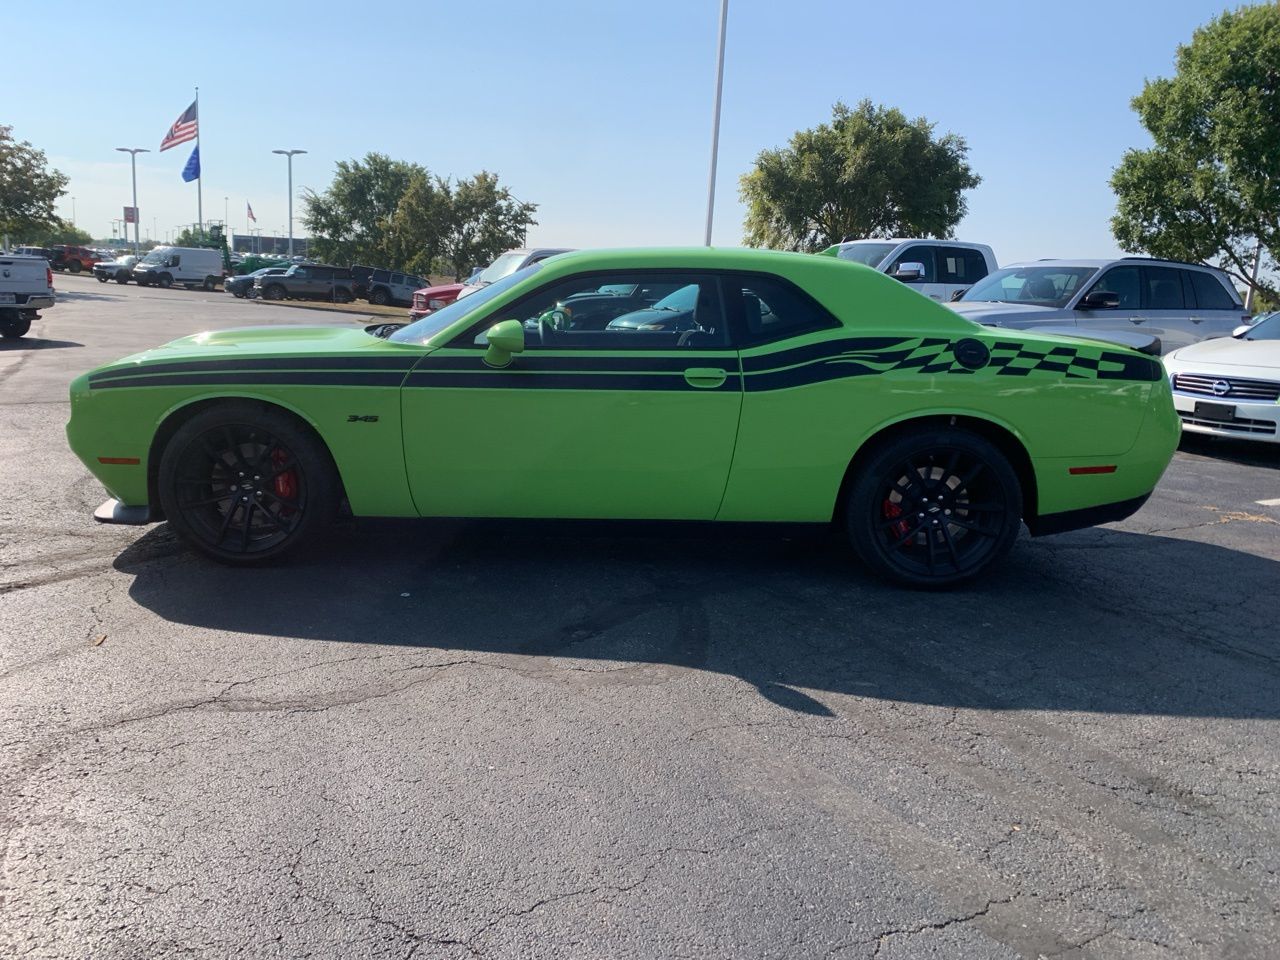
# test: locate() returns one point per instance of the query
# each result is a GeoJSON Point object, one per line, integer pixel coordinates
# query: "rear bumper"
{"type": "Point", "coordinates": [1086, 517]}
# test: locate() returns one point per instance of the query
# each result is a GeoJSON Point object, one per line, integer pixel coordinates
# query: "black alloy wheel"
{"type": "Point", "coordinates": [210, 284]}
{"type": "Point", "coordinates": [244, 483]}
{"type": "Point", "coordinates": [934, 508]}
{"type": "Point", "coordinates": [14, 326]}
{"type": "Point", "coordinates": [102, 277]}
{"type": "Point", "coordinates": [379, 296]}
{"type": "Point", "coordinates": [166, 280]}
{"type": "Point", "coordinates": [273, 292]}
{"type": "Point", "coordinates": [122, 277]}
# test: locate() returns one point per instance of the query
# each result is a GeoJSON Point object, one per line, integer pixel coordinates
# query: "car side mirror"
{"type": "Point", "coordinates": [1100, 300]}
{"type": "Point", "coordinates": [909, 272]}
{"type": "Point", "coordinates": [505, 339]}
{"type": "Point", "coordinates": [1241, 330]}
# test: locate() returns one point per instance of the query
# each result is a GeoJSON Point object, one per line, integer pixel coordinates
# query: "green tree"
{"type": "Point", "coordinates": [870, 172]}
{"type": "Point", "coordinates": [1208, 191]}
{"type": "Point", "coordinates": [484, 219]}
{"type": "Point", "coordinates": [350, 222]}
{"type": "Point", "coordinates": [28, 188]}
{"type": "Point", "coordinates": [420, 221]}
{"type": "Point", "coordinates": [188, 237]}
{"type": "Point", "coordinates": [61, 232]}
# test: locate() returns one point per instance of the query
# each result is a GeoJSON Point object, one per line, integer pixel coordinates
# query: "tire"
{"type": "Point", "coordinates": [933, 508]}
{"type": "Point", "coordinates": [165, 280]}
{"type": "Point", "coordinates": [238, 294]}
{"type": "Point", "coordinates": [122, 278]}
{"type": "Point", "coordinates": [14, 325]}
{"type": "Point", "coordinates": [379, 296]}
{"type": "Point", "coordinates": [75, 266]}
{"type": "Point", "coordinates": [342, 295]}
{"type": "Point", "coordinates": [243, 483]}
{"type": "Point", "coordinates": [210, 284]}
{"type": "Point", "coordinates": [273, 292]}
{"type": "Point", "coordinates": [102, 277]}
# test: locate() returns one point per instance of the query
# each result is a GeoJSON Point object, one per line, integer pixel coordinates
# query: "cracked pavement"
{"type": "Point", "coordinates": [594, 745]}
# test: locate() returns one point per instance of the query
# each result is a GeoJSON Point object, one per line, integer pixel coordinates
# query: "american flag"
{"type": "Point", "coordinates": [248, 209]}
{"type": "Point", "coordinates": [185, 128]}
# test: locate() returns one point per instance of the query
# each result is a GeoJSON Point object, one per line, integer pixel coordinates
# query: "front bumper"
{"type": "Point", "coordinates": [1253, 420]}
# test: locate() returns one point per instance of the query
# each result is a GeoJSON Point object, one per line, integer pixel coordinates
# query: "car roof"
{"type": "Point", "coordinates": [1054, 262]}
{"type": "Point", "coordinates": [897, 240]}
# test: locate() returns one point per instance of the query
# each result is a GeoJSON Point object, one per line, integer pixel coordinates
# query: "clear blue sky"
{"type": "Point", "coordinates": [598, 111]}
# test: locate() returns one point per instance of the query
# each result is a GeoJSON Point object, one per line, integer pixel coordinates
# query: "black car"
{"type": "Point", "coordinates": [307, 281]}
{"type": "Point", "coordinates": [596, 310]}
{"type": "Point", "coordinates": [242, 286]}
{"type": "Point", "coordinates": [675, 313]}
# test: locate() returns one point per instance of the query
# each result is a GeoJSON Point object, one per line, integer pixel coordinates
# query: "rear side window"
{"type": "Point", "coordinates": [1210, 294]}
{"type": "Point", "coordinates": [1162, 288]}
{"type": "Point", "coordinates": [773, 309]}
{"type": "Point", "coordinates": [960, 265]}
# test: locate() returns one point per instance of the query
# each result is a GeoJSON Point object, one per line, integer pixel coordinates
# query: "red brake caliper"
{"type": "Point", "coordinates": [891, 510]}
{"type": "Point", "coordinates": [286, 483]}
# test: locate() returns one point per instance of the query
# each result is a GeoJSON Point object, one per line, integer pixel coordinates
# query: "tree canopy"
{"type": "Point", "coordinates": [870, 172]}
{"type": "Point", "coordinates": [399, 215]}
{"type": "Point", "coordinates": [1208, 191]}
{"type": "Point", "coordinates": [29, 188]}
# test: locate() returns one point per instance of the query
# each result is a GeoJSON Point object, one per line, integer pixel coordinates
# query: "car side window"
{"type": "Point", "coordinates": [960, 265]}
{"type": "Point", "coordinates": [771, 309]}
{"type": "Point", "coordinates": [175, 260]}
{"type": "Point", "coordinates": [918, 254]}
{"type": "Point", "coordinates": [1162, 289]}
{"type": "Point", "coordinates": [1125, 283]}
{"type": "Point", "coordinates": [575, 314]}
{"type": "Point", "coordinates": [1209, 293]}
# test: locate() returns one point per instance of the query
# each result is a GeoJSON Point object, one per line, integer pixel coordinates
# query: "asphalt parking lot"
{"type": "Point", "coordinates": [447, 740]}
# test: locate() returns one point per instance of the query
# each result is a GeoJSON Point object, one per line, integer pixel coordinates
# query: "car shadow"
{"type": "Point", "coordinates": [1247, 453]}
{"type": "Point", "coordinates": [35, 343]}
{"type": "Point", "coordinates": [65, 294]}
{"type": "Point", "coordinates": [1099, 620]}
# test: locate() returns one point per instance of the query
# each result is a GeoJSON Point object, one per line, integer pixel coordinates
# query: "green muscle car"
{"type": "Point", "coordinates": [781, 388]}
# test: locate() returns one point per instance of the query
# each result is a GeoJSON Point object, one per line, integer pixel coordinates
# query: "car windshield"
{"type": "Point", "coordinates": [155, 256]}
{"type": "Point", "coordinates": [423, 330]}
{"type": "Point", "coordinates": [1036, 286]}
{"type": "Point", "coordinates": [869, 253]}
{"type": "Point", "coordinates": [686, 298]}
{"type": "Point", "coordinates": [504, 266]}
{"type": "Point", "coordinates": [618, 289]}
{"type": "Point", "coordinates": [1268, 328]}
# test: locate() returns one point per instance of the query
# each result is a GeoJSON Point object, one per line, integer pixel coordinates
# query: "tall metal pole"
{"type": "Point", "coordinates": [289, 154]}
{"type": "Point", "coordinates": [137, 220]}
{"type": "Point", "coordinates": [715, 123]}
{"type": "Point", "coordinates": [1253, 278]}
{"type": "Point", "coordinates": [199, 179]}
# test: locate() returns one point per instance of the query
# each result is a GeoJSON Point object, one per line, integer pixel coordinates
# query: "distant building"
{"type": "Point", "coordinates": [265, 243]}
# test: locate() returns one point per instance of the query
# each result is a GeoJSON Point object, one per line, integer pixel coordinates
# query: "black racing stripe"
{"type": "Point", "coordinates": [806, 375]}
{"type": "Point", "coordinates": [822, 351]}
{"type": "Point", "coordinates": [260, 363]}
{"type": "Point", "coordinates": [538, 364]}
{"type": "Point", "coordinates": [498, 379]}
{"type": "Point", "coordinates": [334, 378]}
{"type": "Point", "coordinates": [1134, 368]}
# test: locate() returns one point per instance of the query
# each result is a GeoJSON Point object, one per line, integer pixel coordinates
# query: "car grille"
{"type": "Point", "coordinates": [1238, 388]}
{"type": "Point", "coordinates": [1239, 425]}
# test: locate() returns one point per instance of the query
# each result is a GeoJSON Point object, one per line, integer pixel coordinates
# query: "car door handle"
{"type": "Point", "coordinates": [707, 378]}
{"type": "Point", "coordinates": [1137, 319]}
{"type": "Point", "coordinates": [1197, 319]}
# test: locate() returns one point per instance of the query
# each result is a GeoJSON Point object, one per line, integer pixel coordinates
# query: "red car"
{"type": "Point", "coordinates": [74, 259]}
{"type": "Point", "coordinates": [429, 299]}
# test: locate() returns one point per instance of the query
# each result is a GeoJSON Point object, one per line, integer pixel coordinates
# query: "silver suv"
{"type": "Point", "coordinates": [1178, 303]}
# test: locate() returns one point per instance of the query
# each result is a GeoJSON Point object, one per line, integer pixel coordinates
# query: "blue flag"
{"type": "Point", "coordinates": [192, 170]}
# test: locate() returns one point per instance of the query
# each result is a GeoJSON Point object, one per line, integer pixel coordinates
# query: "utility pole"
{"type": "Point", "coordinates": [715, 122]}
{"type": "Point", "coordinates": [290, 154]}
{"type": "Point", "coordinates": [133, 163]}
{"type": "Point", "coordinates": [1253, 279]}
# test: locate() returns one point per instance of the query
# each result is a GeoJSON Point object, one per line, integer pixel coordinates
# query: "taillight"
{"type": "Point", "coordinates": [48, 276]}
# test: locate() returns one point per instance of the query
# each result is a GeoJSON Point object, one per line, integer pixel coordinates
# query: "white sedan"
{"type": "Point", "coordinates": [1230, 386]}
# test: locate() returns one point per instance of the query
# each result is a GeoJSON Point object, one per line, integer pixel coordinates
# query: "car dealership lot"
{"type": "Point", "coordinates": [442, 740]}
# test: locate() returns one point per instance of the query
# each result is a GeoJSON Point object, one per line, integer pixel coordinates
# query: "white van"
{"type": "Point", "coordinates": [186, 266]}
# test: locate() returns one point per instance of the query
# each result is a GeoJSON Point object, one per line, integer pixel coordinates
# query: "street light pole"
{"type": "Point", "coordinates": [133, 163]}
{"type": "Point", "coordinates": [715, 123]}
{"type": "Point", "coordinates": [290, 155]}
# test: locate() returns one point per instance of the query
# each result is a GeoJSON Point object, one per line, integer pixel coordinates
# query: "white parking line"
{"type": "Point", "coordinates": [1268, 503]}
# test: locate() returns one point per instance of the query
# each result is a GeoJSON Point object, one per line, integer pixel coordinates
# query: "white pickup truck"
{"type": "Point", "coordinates": [26, 285]}
{"type": "Point", "coordinates": [939, 269]}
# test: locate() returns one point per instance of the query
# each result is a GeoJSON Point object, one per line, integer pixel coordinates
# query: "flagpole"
{"type": "Point", "coordinates": [199, 189]}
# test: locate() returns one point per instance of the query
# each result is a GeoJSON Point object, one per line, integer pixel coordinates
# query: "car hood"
{"type": "Point", "coordinates": [439, 289]}
{"type": "Point", "coordinates": [989, 311]}
{"type": "Point", "coordinates": [268, 342]}
{"type": "Point", "coordinates": [1262, 355]}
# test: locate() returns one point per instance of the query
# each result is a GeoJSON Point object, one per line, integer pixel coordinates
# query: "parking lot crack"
{"type": "Point", "coordinates": [885, 935]}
